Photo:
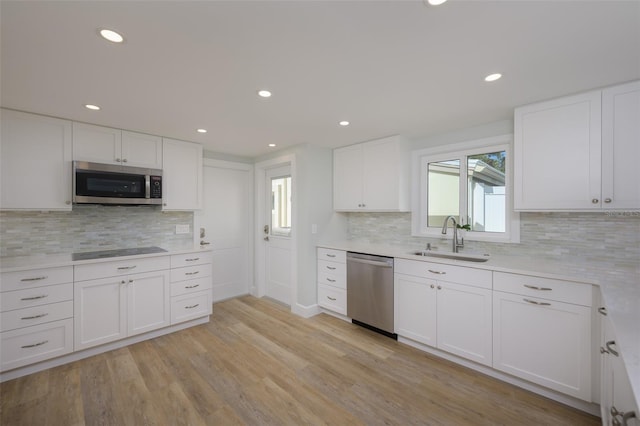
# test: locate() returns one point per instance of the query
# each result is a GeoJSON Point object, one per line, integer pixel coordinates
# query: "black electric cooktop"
{"type": "Point", "coordinates": [88, 255]}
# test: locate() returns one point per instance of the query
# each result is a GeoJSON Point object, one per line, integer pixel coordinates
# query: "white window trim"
{"type": "Point", "coordinates": [451, 152]}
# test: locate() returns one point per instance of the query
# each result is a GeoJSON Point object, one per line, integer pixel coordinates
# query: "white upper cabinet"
{"type": "Point", "coordinates": [577, 153]}
{"type": "Point", "coordinates": [182, 175]}
{"type": "Point", "coordinates": [372, 176]}
{"type": "Point", "coordinates": [35, 155]}
{"type": "Point", "coordinates": [114, 146]}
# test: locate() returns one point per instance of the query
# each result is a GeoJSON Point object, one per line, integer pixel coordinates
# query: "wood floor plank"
{"type": "Point", "coordinates": [255, 363]}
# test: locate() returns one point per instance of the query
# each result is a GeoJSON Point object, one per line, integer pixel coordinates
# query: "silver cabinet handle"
{"type": "Point", "coordinates": [433, 286]}
{"type": "Point", "coordinates": [192, 259]}
{"type": "Point", "coordinates": [124, 160]}
{"type": "Point", "coordinates": [192, 273]}
{"type": "Point", "coordinates": [330, 280]}
{"type": "Point", "coordinates": [537, 303]}
{"type": "Point", "coordinates": [117, 160]}
{"type": "Point", "coordinates": [42, 296]}
{"type": "Point", "coordinates": [439, 287]}
{"type": "Point", "coordinates": [595, 201]}
{"type": "Point", "coordinates": [192, 306]}
{"type": "Point", "coordinates": [331, 298]}
{"type": "Point", "coordinates": [603, 350]}
{"type": "Point", "coordinates": [35, 316]}
{"type": "Point", "coordinates": [126, 268]}
{"type": "Point", "coordinates": [331, 255]}
{"type": "Point", "coordinates": [34, 279]}
{"type": "Point", "coordinates": [437, 272]}
{"type": "Point", "coordinates": [35, 344]}
{"type": "Point", "coordinates": [204, 243]}
{"type": "Point", "coordinates": [607, 200]}
{"type": "Point", "coordinates": [610, 349]}
{"type": "Point", "coordinates": [533, 287]}
{"type": "Point", "coordinates": [331, 268]}
{"type": "Point", "coordinates": [192, 286]}
{"type": "Point", "coordinates": [603, 310]}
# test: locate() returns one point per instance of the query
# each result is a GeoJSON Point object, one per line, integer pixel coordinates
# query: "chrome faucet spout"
{"type": "Point", "coordinates": [455, 244]}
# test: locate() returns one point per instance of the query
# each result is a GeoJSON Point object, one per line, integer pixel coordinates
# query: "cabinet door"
{"type": "Point", "coordinates": [141, 150]}
{"type": "Point", "coordinates": [415, 308]}
{"type": "Point", "coordinates": [182, 175]}
{"type": "Point", "coordinates": [35, 156]}
{"type": "Point", "coordinates": [148, 302]}
{"type": "Point", "coordinates": [100, 311]}
{"type": "Point", "coordinates": [464, 321]}
{"type": "Point", "coordinates": [97, 144]}
{"type": "Point", "coordinates": [347, 178]}
{"type": "Point", "coordinates": [557, 158]}
{"type": "Point", "coordinates": [381, 175]}
{"type": "Point", "coordinates": [621, 146]}
{"type": "Point", "coordinates": [545, 342]}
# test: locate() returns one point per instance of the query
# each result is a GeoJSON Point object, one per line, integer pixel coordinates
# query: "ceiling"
{"type": "Point", "coordinates": [388, 67]}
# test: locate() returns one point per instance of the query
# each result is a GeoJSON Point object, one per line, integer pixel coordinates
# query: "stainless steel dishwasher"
{"type": "Point", "coordinates": [370, 291]}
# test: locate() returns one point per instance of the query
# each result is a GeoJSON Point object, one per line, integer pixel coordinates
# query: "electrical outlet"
{"type": "Point", "coordinates": [182, 229]}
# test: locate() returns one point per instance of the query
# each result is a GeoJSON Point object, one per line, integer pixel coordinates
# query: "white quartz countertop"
{"type": "Point", "coordinates": [619, 285]}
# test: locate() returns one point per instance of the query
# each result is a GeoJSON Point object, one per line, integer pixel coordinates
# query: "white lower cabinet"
{"type": "Point", "coordinates": [191, 286]}
{"type": "Point", "coordinates": [332, 280]}
{"type": "Point", "coordinates": [113, 308]}
{"type": "Point", "coordinates": [451, 316]}
{"type": "Point", "coordinates": [540, 339]}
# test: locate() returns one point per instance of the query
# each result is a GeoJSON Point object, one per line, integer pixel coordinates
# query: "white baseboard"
{"type": "Point", "coordinates": [305, 311]}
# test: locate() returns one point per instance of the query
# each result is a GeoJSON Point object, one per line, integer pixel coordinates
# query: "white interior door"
{"type": "Point", "coordinates": [277, 234]}
{"type": "Point", "coordinates": [226, 220]}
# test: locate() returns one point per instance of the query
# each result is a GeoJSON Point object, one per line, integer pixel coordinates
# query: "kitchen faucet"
{"type": "Point", "coordinates": [455, 244]}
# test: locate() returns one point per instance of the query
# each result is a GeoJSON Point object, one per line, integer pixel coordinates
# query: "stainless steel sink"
{"type": "Point", "coordinates": [453, 256]}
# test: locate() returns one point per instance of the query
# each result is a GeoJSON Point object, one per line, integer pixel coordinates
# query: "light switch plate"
{"type": "Point", "coordinates": [182, 229]}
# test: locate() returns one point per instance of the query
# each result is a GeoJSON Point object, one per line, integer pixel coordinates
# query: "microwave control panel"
{"type": "Point", "coordinates": [156, 186]}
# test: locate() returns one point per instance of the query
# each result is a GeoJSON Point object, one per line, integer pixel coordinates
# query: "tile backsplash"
{"type": "Point", "coordinates": [89, 228]}
{"type": "Point", "coordinates": [604, 236]}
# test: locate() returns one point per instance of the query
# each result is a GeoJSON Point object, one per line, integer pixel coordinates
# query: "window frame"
{"type": "Point", "coordinates": [460, 151]}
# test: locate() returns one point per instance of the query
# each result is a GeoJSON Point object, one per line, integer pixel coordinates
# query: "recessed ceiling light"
{"type": "Point", "coordinates": [92, 107]}
{"type": "Point", "coordinates": [111, 35]}
{"type": "Point", "coordinates": [264, 93]}
{"type": "Point", "coordinates": [493, 77]}
{"type": "Point", "coordinates": [344, 123]}
{"type": "Point", "coordinates": [272, 145]}
{"type": "Point", "coordinates": [436, 2]}
{"type": "Point", "coordinates": [201, 130]}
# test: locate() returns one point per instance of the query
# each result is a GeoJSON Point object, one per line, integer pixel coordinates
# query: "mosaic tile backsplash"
{"type": "Point", "coordinates": [89, 228]}
{"type": "Point", "coordinates": [603, 236]}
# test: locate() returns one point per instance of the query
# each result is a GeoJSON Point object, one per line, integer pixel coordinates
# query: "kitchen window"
{"type": "Point", "coordinates": [470, 181]}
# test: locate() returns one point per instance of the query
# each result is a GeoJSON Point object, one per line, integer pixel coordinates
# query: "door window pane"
{"type": "Point", "coordinates": [281, 206]}
{"type": "Point", "coordinates": [486, 192]}
{"type": "Point", "coordinates": [443, 191]}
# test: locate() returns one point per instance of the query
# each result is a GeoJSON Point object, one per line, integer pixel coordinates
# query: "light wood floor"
{"type": "Point", "coordinates": [257, 364]}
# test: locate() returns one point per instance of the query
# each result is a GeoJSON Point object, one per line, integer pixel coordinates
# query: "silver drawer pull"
{"type": "Point", "coordinates": [34, 279]}
{"type": "Point", "coordinates": [533, 287]}
{"type": "Point", "coordinates": [126, 268]}
{"type": "Point", "coordinates": [437, 272]}
{"type": "Point", "coordinates": [611, 350]}
{"type": "Point", "coordinates": [192, 286]}
{"type": "Point", "coordinates": [192, 273]}
{"type": "Point", "coordinates": [192, 260]}
{"type": "Point", "coordinates": [44, 342]}
{"type": "Point", "coordinates": [34, 316]}
{"type": "Point", "coordinates": [331, 298]}
{"type": "Point", "coordinates": [603, 310]}
{"type": "Point", "coordinates": [331, 268]}
{"type": "Point", "coordinates": [330, 280]}
{"type": "Point", "coordinates": [42, 296]}
{"type": "Point", "coordinates": [192, 306]}
{"type": "Point", "coordinates": [331, 255]}
{"type": "Point", "coordinates": [537, 303]}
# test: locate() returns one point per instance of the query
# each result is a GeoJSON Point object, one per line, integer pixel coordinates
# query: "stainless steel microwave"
{"type": "Point", "coordinates": [95, 183]}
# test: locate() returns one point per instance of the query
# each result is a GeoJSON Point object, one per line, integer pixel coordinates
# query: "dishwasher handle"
{"type": "Point", "coordinates": [382, 264]}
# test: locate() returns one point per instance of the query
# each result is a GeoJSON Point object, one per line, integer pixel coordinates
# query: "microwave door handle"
{"type": "Point", "coordinates": [147, 186]}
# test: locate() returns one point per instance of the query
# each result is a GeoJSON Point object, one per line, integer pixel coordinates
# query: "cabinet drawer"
{"type": "Point", "coordinates": [25, 317]}
{"type": "Point", "coordinates": [190, 272]}
{"type": "Point", "coordinates": [189, 259]}
{"type": "Point", "coordinates": [35, 278]}
{"type": "Point", "coordinates": [190, 306]}
{"type": "Point", "coordinates": [36, 296]}
{"type": "Point", "coordinates": [339, 256]}
{"type": "Point", "coordinates": [332, 298]}
{"type": "Point", "coordinates": [544, 288]}
{"type": "Point", "coordinates": [339, 281]}
{"type": "Point", "coordinates": [441, 272]}
{"type": "Point", "coordinates": [37, 343]}
{"type": "Point", "coordinates": [190, 286]}
{"type": "Point", "coordinates": [121, 267]}
{"type": "Point", "coordinates": [332, 268]}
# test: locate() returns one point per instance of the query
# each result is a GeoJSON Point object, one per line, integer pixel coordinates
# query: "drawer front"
{"type": "Point", "coordinates": [37, 343]}
{"type": "Point", "coordinates": [25, 317]}
{"type": "Point", "coordinates": [332, 268]}
{"type": "Point", "coordinates": [10, 281]}
{"type": "Point", "coordinates": [190, 286]}
{"type": "Point", "coordinates": [446, 273]}
{"type": "Point", "coordinates": [339, 281]}
{"type": "Point", "coordinates": [36, 296]}
{"type": "Point", "coordinates": [190, 306]}
{"type": "Point", "coordinates": [332, 255]}
{"type": "Point", "coordinates": [544, 288]}
{"type": "Point", "coordinates": [332, 298]}
{"type": "Point", "coordinates": [191, 272]}
{"type": "Point", "coordinates": [189, 259]}
{"type": "Point", "coordinates": [93, 271]}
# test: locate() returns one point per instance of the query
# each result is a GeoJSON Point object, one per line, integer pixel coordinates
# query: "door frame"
{"type": "Point", "coordinates": [259, 288]}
